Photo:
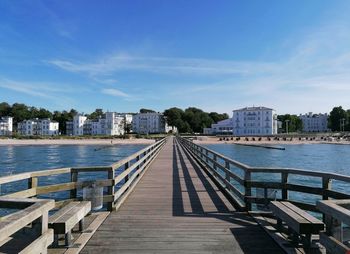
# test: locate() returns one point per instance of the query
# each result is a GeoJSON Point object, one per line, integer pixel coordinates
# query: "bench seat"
{"type": "Point", "coordinates": [296, 219]}
{"type": "Point", "coordinates": [64, 220]}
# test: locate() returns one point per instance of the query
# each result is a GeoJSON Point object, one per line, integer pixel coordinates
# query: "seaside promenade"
{"type": "Point", "coordinates": [176, 208]}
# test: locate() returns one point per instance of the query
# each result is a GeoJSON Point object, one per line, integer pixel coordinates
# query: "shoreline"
{"type": "Point", "coordinates": [31, 142]}
{"type": "Point", "coordinates": [214, 141]}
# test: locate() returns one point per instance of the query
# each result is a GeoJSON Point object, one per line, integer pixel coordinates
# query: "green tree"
{"type": "Point", "coordinates": [145, 110]}
{"type": "Point", "coordinates": [98, 113]}
{"type": "Point", "coordinates": [216, 117]}
{"type": "Point", "coordinates": [5, 109]}
{"type": "Point", "coordinates": [335, 118]}
{"type": "Point", "coordinates": [294, 122]}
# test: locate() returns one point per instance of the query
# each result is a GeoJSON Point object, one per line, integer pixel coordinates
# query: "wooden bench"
{"type": "Point", "coordinates": [298, 221]}
{"type": "Point", "coordinates": [64, 220]}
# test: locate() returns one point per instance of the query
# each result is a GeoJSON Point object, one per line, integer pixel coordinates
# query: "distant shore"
{"type": "Point", "coordinates": [264, 141]}
{"type": "Point", "coordinates": [9, 142]}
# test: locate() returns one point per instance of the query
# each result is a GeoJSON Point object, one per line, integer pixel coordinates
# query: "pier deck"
{"type": "Point", "coordinates": [176, 208]}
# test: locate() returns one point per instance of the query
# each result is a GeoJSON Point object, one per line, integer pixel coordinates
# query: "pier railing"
{"type": "Point", "coordinates": [253, 187]}
{"type": "Point", "coordinates": [31, 211]}
{"type": "Point", "coordinates": [114, 185]}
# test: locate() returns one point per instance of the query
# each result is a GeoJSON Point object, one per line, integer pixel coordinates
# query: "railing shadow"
{"type": "Point", "coordinates": [246, 230]}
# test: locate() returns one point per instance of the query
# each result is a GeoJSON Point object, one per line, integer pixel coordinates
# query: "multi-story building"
{"type": "Point", "coordinates": [314, 122]}
{"type": "Point", "coordinates": [224, 127]}
{"type": "Point", "coordinates": [254, 121]}
{"type": "Point", "coordinates": [110, 124]}
{"type": "Point", "coordinates": [38, 127]}
{"type": "Point", "coordinates": [6, 126]}
{"type": "Point", "coordinates": [148, 123]}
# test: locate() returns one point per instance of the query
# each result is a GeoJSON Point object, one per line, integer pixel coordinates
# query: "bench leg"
{"type": "Point", "coordinates": [279, 224]}
{"type": "Point", "coordinates": [81, 225]}
{"type": "Point", "coordinates": [55, 240]}
{"type": "Point", "coordinates": [308, 241]}
{"type": "Point", "coordinates": [68, 239]}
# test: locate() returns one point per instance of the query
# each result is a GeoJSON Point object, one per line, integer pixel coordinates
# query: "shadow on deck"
{"type": "Point", "coordinates": [249, 236]}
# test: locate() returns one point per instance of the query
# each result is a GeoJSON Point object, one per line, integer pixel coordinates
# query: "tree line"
{"type": "Point", "coordinates": [187, 121]}
{"type": "Point", "coordinates": [190, 120]}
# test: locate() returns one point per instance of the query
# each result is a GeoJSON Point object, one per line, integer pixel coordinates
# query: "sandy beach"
{"type": "Point", "coordinates": [8, 142]}
{"type": "Point", "coordinates": [264, 141]}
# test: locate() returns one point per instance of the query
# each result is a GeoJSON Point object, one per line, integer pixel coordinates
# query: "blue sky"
{"type": "Point", "coordinates": [291, 55]}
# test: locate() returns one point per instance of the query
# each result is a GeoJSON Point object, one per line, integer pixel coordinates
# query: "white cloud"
{"type": "Point", "coordinates": [114, 92]}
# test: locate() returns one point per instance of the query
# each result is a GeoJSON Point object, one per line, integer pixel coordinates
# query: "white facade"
{"type": "Point", "coordinates": [38, 127]}
{"type": "Point", "coordinates": [147, 123]}
{"type": "Point", "coordinates": [111, 124]}
{"type": "Point", "coordinates": [78, 125]}
{"type": "Point", "coordinates": [314, 122]}
{"type": "Point", "coordinates": [254, 121]}
{"type": "Point", "coordinates": [224, 127]}
{"type": "Point", "coordinates": [6, 126]}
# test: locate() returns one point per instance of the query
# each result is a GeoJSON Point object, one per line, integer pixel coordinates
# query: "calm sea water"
{"type": "Point", "coordinates": [313, 157]}
{"type": "Point", "coordinates": [20, 159]}
{"type": "Point", "coordinates": [316, 157]}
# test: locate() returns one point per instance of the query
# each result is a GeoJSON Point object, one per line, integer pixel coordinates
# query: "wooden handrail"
{"type": "Point", "coordinates": [31, 210]}
{"type": "Point", "coordinates": [139, 160]}
{"type": "Point", "coordinates": [244, 179]}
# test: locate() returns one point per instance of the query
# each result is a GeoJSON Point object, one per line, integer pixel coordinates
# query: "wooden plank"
{"type": "Point", "coordinates": [293, 219]}
{"type": "Point", "coordinates": [304, 214]}
{"type": "Point", "coordinates": [22, 194]}
{"type": "Point", "coordinates": [332, 245]}
{"type": "Point", "coordinates": [87, 234]}
{"type": "Point", "coordinates": [335, 210]}
{"type": "Point", "coordinates": [55, 188]}
{"type": "Point", "coordinates": [16, 221]}
{"type": "Point", "coordinates": [176, 208]}
{"type": "Point", "coordinates": [67, 220]}
{"type": "Point", "coordinates": [40, 244]}
{"type": "Point", "coordinates": [53, 218]}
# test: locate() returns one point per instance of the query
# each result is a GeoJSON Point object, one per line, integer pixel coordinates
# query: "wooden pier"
{"type": "Point", "coordinates": [176, 208]}
{"type": "Point", "coordinates": [173, 196]}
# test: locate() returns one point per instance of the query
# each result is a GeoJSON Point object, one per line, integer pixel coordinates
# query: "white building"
{"type": "Point", "coordinates": [6, 126]}
{"type": "Point", "coordinates": [314, 122]}
{"type": "Point", "coordinates": [224, 127]}
{"type": "Point", "coordinates": [111, 124]}
{"type": "Point", "coordinates": [254, 121]}
{"type": "Point", "coordinates": [148, 123]}
{"type": "Point", "coordinates": [38, 127]}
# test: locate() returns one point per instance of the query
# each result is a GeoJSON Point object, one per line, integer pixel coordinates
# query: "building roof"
{"type": "Point", "coordinates": [253, 108]}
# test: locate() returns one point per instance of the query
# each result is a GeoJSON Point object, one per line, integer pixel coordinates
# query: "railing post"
{"type": "Point", "coordinates": [214, 161]}
{"type": "Point", "coordinates": [227, 176]}
{"type": "Point", "coordinates": [126, 166]}
{"type": "Point", "coordinates": [247, 189]}
{"type": "Point", "coordinates": [32, 182]}
{"type": "Point", "coordinates": [326, 185]}
{"type": "Point", "coordinates": [206, 158]}
{"type": "Point", "coordinates": [284, 181]}
{"type": "Point", "coordinates": [110, 189]}
{"type": "Point", "coordinates": [73, 178]}
{"type": "Point", "coordinates": [137, 159]}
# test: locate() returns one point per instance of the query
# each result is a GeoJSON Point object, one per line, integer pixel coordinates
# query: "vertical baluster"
{"type": "Point", "coordinates": [284, 181]}
{"type": "Point", "coordinates": [110, 189]}
{"type": "Point", "coordinates": [247, 189]}
{"type": "Point", "coordinates": [73, 178]}
{"type": "Point", "coordinates": [32, 183]}
{"type": "Point", "coordinates": [227, 176]}
{"type": "Point", "coordinates": [214, 161]}
{"type": "Point", "coordinates": [126, 166]}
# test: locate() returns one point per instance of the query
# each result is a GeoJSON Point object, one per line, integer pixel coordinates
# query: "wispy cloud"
{"type": "Point", "coordinates": [191, 66]}
{"type": "Point", "coordinates": [52, 92]}
{"type": "Point", "coordinates": [115, 92]}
